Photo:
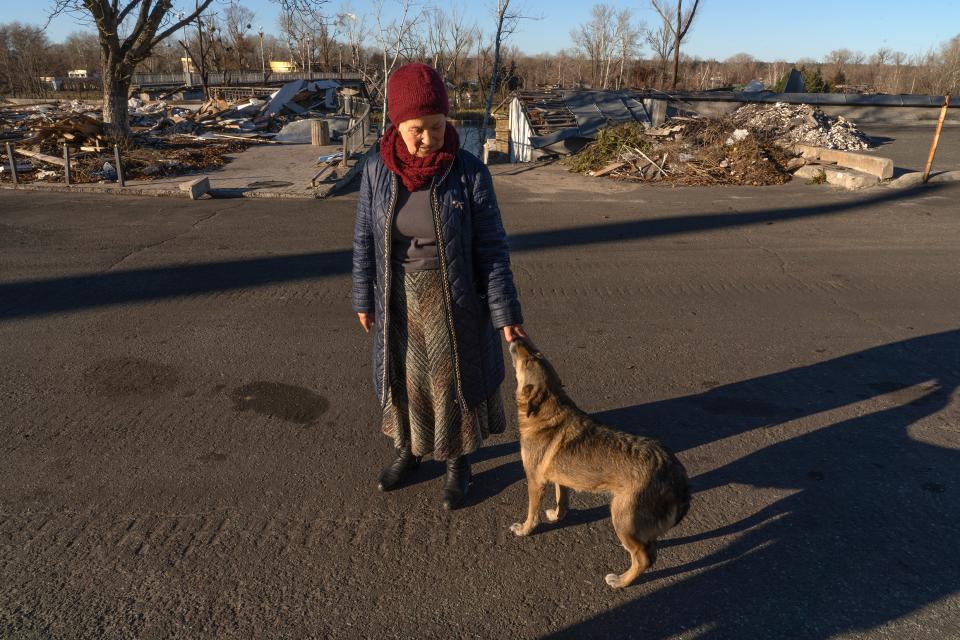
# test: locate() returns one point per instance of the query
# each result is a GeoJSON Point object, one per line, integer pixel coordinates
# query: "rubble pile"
{"type": "Point", "coordinates": [756, 145]}
{"type": "Point", "coordinates": [802, 123]}
{"type": "Point", "coordinates": [167, 139]}
{"type": "Point", "coordinates": [685, 151]}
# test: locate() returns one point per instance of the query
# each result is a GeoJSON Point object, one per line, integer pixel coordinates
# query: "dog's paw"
{"type": "Point", "coordinates": [518, 529]}
{"type": "Point", "coordinates": [554, 515]}
{"type": "Point", "coordinates": [614, 580]}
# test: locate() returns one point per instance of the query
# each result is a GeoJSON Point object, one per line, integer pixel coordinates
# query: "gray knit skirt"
{"type": "Point", "coordinates": [422, 410]}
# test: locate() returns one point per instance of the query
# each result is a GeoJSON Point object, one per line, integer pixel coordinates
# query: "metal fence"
{"type": "Point", "coordinates": [235, 77]}
{"type": "Point", "coordinates": [354, 138]}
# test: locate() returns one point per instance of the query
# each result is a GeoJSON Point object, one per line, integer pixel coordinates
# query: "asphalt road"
{"type": "Point", "coordinates": [190, 439]}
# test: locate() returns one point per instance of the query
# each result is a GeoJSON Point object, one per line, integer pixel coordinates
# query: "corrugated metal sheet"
{"type": "Point", "coordinates": [564, 120]}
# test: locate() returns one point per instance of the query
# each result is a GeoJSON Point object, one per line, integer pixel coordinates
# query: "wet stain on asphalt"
{"type": "Point", "coordinates": [122, 377]}
{"type": "Point", "coordinates": [284, 401]}
{"type": "Point", "coordinates": [212, 456]}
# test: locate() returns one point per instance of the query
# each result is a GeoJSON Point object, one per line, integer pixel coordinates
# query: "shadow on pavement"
{"type": "Point", "coordinates": [71, 293]}
{"type": "Point", "coordinates": [866, 536]}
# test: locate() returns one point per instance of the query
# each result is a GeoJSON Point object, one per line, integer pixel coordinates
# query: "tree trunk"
{"type": "Point", "coordinates": [493, 83]}
{"type": "Point", "coordinates": [116, 88]}
{"type": "Point", "coordinates": [676, 42]}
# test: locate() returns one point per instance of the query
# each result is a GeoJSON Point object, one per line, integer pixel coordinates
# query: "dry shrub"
{"type": "Point", "coordinates": [607, 147]}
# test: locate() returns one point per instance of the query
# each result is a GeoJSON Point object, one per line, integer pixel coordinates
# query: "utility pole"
{"type": "Point", "coordinates": [263, 64]}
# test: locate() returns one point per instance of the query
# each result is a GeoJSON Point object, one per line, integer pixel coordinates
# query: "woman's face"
{"type": "Point", "coordinates": [423, 135]}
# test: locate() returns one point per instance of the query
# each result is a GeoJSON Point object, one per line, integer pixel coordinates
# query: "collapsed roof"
{"type": "Point", "coordinates": [565, 120]}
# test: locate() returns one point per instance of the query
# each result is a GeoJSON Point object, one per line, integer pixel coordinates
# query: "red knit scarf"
{"type": "Point", "coordinates": [415, 172]}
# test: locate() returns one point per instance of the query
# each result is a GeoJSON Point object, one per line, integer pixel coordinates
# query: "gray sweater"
{"type": "Point", "coordinates": [414, 236]}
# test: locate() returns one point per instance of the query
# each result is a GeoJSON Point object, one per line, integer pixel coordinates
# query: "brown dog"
{"type": "Point", "coordinates": [561, 444]}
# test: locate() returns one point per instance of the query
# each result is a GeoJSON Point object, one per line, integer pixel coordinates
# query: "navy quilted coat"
{"type": "Point", "coordinates": [474, 258]}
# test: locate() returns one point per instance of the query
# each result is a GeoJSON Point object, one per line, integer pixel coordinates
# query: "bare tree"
{"type": "Point", "coordinates": [899, 58]}
{"type": "Point", "coordinates": [128, 31]}
{"type": "Point", "coordinates": [459, 39]}
{"type": "Point", "coordinates": [83, 50]}
{"type": "Point", "coordinates": [507, 21]}
{"type": "Point", "coordinates": [393, 39]}
{"type": "Point", "coordinates": [679, 22]}
{"type": "Point", "coordinates": [23, 59]}
{"type": "Point", "coordinates": [597, 41]}
{"type": "Point", "coordinates": [238, 20]}
{"type": "Point", "coordinates": [743, 67]}
{"type": "Point", "coordinates": [660, 41]}
{"type": "Point", "coordinates": [627, 37]}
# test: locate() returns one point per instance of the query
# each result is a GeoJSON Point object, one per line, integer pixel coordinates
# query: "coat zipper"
{"type": "Point", "coordinates": [386, 287]}
{"type": "Point", "coordinates": [448, 302]}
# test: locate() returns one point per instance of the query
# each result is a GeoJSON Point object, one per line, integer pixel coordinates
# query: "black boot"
{"type": "Point", "coordinates": [457, 482]}
{"type": "Point", "coordinates": [397, 470]}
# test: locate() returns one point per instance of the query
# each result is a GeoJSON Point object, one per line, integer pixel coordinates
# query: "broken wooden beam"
{"type": "Point", "coordinates": [42, 157]}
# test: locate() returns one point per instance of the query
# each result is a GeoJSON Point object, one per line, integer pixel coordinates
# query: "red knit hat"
{"type": "Point", "coordinates": [415, 90]}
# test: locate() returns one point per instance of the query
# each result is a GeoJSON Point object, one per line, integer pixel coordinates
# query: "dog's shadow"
{"type": "Point", "coordinates": [863, 495]}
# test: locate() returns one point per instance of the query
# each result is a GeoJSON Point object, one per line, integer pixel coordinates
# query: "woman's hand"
{"type": "Point", "coordinates": [513, 331]}
{"type": "Point", "coordinates": [366, 321]}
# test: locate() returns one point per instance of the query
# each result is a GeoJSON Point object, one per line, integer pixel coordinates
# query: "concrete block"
{"type": "Point", "coordinates": [850, 179]}
{"type": "Point", "coordinates": [197, 187]}
{"type": "Point", "coordinates": [846, 178]}
{"type": "Point", "coordinates": [881, 167]}
{"type": "Point", "coordinates": [808, 171]}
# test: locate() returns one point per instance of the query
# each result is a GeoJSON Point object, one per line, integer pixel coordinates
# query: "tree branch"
{"type": "Point", "coordinates": [688, 19]}
{"type": "Point", "coordinates": [126, 10]}
{"type": "Point", "coordinates": [666, 19]}
{"type": "Point", "coordinates": [187, 20]}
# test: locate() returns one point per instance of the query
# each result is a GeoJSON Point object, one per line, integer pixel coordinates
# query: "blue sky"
{"type": "Point", "coordinates": [766, 29]}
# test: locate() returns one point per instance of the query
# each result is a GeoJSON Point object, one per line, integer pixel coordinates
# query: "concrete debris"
{"type": "Point", "coordinates": [196, 187]}
{"type": "Point", "coordinates": [803, 123]}
{"type": "Point", "coordinates": [737, 136]}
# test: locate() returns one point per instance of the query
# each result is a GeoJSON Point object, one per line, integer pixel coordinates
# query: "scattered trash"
{"type": "Point", "coordinates": [333, 157]}
{"type": "Point", "coordinates": [108, 172]}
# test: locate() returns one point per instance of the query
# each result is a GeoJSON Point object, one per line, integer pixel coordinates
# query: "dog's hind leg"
{"type": "Point", "coordinates": [563, 501]}
{"type": "Point", "coordinates": [622, 514]}
{"type": "Point", "coordinates": [535, 489]}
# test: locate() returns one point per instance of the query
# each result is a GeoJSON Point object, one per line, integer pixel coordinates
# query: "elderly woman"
{"type": "Point", "coordinates": [432, 280]}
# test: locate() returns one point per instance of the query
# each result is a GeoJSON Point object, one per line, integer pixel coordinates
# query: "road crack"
{"type": "Point", "coordinates": [835, 301]}
{"type": "Point", "coordinates": [142, 248]}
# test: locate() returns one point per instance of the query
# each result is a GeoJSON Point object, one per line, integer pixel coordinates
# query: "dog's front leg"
{"type": "Point", "coordinates": [563, 503]}
{"type": "Point", "coordinates": [535, 489]}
